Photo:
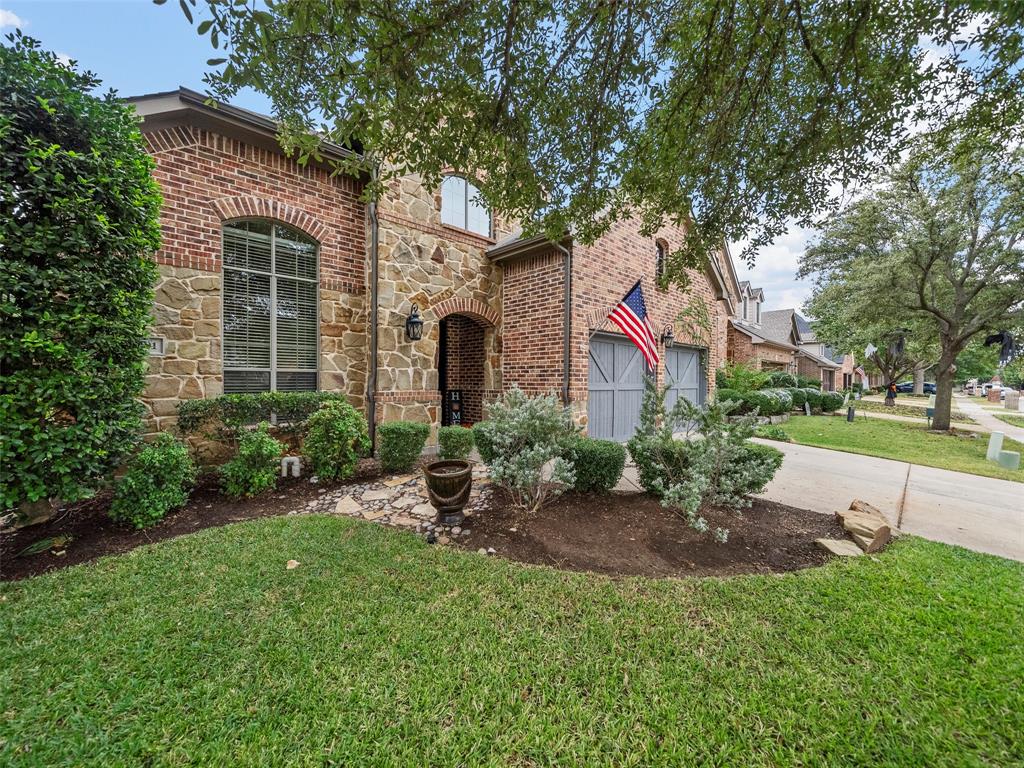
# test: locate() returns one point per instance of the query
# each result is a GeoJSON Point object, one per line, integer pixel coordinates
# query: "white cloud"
{"type": "Point", "coordinates": [775, 269]}
{"type": "Point", "coordinates": [63, 58]}
{"type": "Point", "coordinates": [10, 19]}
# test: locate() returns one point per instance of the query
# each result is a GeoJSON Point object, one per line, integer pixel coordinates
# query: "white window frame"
{"type": "Point", "coordinates": [274, 223]}
{"type": "Point", "coordinates": [467, 184]}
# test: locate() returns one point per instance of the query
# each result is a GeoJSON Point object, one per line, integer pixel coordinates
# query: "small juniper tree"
{"type": "Point", "coordinates": [78, 222]}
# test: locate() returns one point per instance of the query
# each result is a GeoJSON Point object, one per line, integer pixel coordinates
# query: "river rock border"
{"type": "Point", "coordinates": [400, 501]}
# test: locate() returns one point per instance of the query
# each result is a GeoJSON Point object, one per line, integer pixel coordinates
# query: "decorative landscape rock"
{"type": "Point", "coordinates": [840, 547]}
{"type": "Point", "coordinates": [866, 524]}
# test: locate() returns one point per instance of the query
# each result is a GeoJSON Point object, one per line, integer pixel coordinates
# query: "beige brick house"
{"type": "Point", "coordinates": [277, 276]}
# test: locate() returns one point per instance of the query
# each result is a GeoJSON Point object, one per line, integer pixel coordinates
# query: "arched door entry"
{"type": "Point", "coordinates": [461, 358]}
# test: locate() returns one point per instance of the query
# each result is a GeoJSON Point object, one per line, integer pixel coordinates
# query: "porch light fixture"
{"type": "Point", "coordinates": [414, 325]}
{"type": "Point", "coordinates": [667, 336]}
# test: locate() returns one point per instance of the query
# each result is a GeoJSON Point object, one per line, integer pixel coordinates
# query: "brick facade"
{"type": "Point", "coordinates": [533, 307]}
{"type": "Point", "coordinates": [464, 364]}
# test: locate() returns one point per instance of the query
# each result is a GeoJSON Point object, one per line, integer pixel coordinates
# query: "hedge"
{"type": "Point", "coordinates": [454, 442]}
{"type": "Point", "coordinates": [221, 418]}
{"type": "Point", "coordinates": [400, 444]}
{"type": "Point", "coordinates": [598, 464]}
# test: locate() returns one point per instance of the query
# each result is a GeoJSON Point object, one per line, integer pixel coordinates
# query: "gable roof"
{"type": "Point", "coordinates": [756, 335]}
{"type": "Point", "coordinates": [777, 324]}
{"type": "Point", "coordinates": [183, 105]}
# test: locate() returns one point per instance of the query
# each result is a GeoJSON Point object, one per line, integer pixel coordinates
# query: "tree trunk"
{"type": "Point", "coordinates": [943, 392]}
{"type": "Point", "coordinates": [919, 380]}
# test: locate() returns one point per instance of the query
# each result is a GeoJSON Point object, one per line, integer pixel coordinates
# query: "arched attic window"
{"type": "Point", "coordinates": [462, 207]}
{"type": "Point", "coordinates": [661, 263]}
{"type": "Point", "coordinates": [271, 317]}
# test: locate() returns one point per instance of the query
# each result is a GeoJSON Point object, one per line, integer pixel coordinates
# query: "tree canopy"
{"type": "Point", "coordinates": [739, 117]}
{"type": "Point", "coordinates": [937, 252]}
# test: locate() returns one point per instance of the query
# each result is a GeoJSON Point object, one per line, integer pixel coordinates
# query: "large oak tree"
{"type": "Point", "coordinates": [937, 249]}
{"type": "Point", "coordinates": [741, 115]}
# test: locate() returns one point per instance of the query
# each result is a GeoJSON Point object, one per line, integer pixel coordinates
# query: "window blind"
{"type": "Point", "coordinates": [270, 307]}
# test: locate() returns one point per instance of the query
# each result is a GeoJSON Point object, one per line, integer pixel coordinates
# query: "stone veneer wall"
{"type": "Point", "coordinates": [444, 271]}
{"type": "Point", "coordinates": [206, 179]}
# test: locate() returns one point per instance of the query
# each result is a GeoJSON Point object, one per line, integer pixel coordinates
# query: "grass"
{"type": "Point", "coordinates": [1010, 418]}
{"type": "Point", "coordinates": [916, 411]}
{"type": "Point", "coordinates": [380, 650]}
{"type": "Point", "coordinates": [903, 441]}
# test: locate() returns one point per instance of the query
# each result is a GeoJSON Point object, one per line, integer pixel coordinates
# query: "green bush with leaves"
{"type": "Point", "coordinates": [598, 464]}
{"type": "Point", "coordinates": [158, 479]}
{"type": "Point", "coordinates": [799, 396]}
{"type": "Point", "coordinates": [808, 381]}
{"type": "Point", "coordinates": [224, 418]}
{"type": "Point", "coordinates": [741, 377]}
{"type": "Point", "coordinates": [715, 464]}
{"type": "Point", "coordinates": [782, 379]}
{"type": "Point", "coordinates": [256, 467]}
{"type": "Point", "coordinates": [79, 222]}
{"type": "Point", "coordinates": [454, 442]}
{"type": "Point", "coordinates": [813, 398]}
{"type": "Point", "coordinates": [483, 443]}
{"type": "Point", "coordinates": [831, 401]}
{"type": "Point", "coordinates": [336, 438]}
{"type": "Point", "coordinates": [762, 402]}
{"type": "Point", "coordinates": [524, 434]}
{"type": "Point", "coordinates": [400, 444]}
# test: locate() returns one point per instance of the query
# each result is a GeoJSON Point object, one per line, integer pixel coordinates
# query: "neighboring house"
{"type": "Point", "coordinates": [267, 283]}
{"type": "Point", "coordinates": [748, 342]}
{"type": "Point", "coordinates": [812, 358]}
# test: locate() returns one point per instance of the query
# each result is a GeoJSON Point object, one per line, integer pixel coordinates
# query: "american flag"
{"type": "Point", "coordinates": [630, 315]}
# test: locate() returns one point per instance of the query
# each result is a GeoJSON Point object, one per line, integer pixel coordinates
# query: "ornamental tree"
{"type": "Point", "coordinates": [78, 224]}
{"type": "Point", "coordinates": [938, 249]}
{"type": "Point", "coordinates": [741, 116]}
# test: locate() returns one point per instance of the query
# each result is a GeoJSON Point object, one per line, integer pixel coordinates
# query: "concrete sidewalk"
{"type": "Point", "coordinates": [972, 407]}
{"type": "Point", "coordinates": [979, 513]}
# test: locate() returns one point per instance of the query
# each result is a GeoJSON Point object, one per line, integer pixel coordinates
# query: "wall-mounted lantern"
{"type": "Point", "coordinates": [667, 336]}
{"type": "Point", "coordinates": [414, 325]}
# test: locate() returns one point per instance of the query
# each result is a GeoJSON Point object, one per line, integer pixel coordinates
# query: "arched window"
{"type": "Point", "coordinates": [271, 316]}
{"type": "Point", "coordinates": [661, 263]}
{"type": "Point", "coordinates": [461, 206]}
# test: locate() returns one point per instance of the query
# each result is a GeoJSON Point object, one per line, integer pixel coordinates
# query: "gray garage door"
{"type": "Point", "coordinates": [684, 376]}
{"type": "Point", "coordinates": [616, 388]}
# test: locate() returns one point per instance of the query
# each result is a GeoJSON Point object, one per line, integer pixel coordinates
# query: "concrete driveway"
{"type": "Point", "coordinates": [978, 513]}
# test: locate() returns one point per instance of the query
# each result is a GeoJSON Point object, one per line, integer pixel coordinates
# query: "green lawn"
{"type": "Point", "coordinates": [902, 409]}
{"type": "Point", "coordinates": [1011, 418]}
{"type": "Point", "coordinates": [381, 650]}
{"type": "Point", "coordinates": [903, 441]}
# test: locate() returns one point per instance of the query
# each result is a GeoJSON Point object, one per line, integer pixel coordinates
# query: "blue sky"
{"type": "Point", "coordinates": [136, 47]}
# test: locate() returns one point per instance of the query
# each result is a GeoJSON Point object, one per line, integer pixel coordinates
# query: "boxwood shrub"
{"type": "Point", "coordinates": [782, 379]}
{"type": "Point", "coordinates": [831, 401]}
{"type": "Point", "coordinates": [454, 442]}
{"type": "Point", "coordinates": [813, 397]}
{"type": "Point", "coordinates": [400, 444]}
{"type": "Point", "coordinates": [799, 396]}
{"type": "Point", "coordinates": [598, 464]}
{"type": "Point", "coordinates": [809, 381]}
{"type": "Point", "coordinates": [158, 480]}
{"type": "Point", "coordinates": [483, 443]}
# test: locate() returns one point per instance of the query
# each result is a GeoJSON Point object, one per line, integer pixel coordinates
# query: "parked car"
{"type": "Point", "coordinates": [907, 387]}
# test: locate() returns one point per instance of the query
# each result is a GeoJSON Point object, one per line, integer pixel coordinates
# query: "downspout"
{"type": "Point", "coordinates": [371, 379]}
{"type": "Point", "coordinates": [566, 324]}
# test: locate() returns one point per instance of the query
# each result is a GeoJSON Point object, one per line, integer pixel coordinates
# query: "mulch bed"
{"type": "Point", "coordinates": [631, 533]}
{"type": "Point", "coordinates": [93, 534]}
{"type": "Point", "coordinates": [618, 533]}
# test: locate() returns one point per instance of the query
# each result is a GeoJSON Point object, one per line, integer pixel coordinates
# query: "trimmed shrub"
{"type": "Point", "coordinates": [224, 418]}
{"type": "Point", "coordinates": [336, 437]}
{"type": "Point", "coordinates": [659, 461]}
{"type": "Point", "coordinates": [79, 222]}
{"type": "Point", "coordinates": [799, 396]}
{"type": "Point", "coordinates": [257, 465]}
{"type": "Point", "coordinates": [598, 464]}
{"type": "Point", "coordinates": [454, 442]}
{"type": "Point", "coordinates": [400, 444]}
{"type": "Point", "coordinates": [158, 480]}
{"type": "Point", "coordinates": [483, 443]}
{"type": "Point", "coordinates": [831, 401]}
{"type": "Point", "coordinates": [782, 379]}
{"type": "Point", "coordinates": [813, 397]}
{"type": "Point", "coordinates": [524, 434]}
{"type": "Point", "coordinates": [808, 381]}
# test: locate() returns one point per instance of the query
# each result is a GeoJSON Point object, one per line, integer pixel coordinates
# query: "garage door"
{"type": "Point", "coordinates": [684, 376]}
{"type": "Point", "coordinates": [616, 388]}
